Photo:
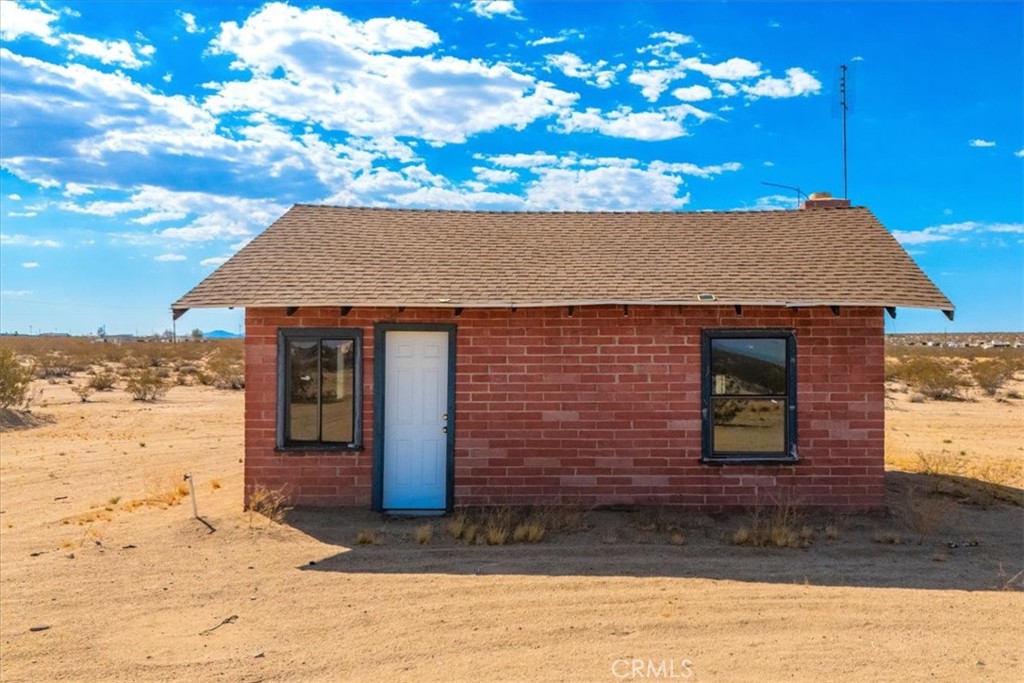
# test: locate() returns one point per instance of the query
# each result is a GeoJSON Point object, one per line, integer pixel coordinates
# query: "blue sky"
{"type": "Point", "coordinates": [143, 143]}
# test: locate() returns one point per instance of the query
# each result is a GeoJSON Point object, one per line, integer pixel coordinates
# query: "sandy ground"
{"type": "Point", "coordinates": [143, 592]}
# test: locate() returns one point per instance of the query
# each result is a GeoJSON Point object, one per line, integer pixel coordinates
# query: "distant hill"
{"type": "Point", "coordinates": [221, 334]}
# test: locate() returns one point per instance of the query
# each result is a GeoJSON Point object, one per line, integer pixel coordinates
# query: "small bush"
{"type": "Point", "coordinates": [424, 533]}
{"type": "Point", "coordinates": [83, 391]}
{"type": "Point", "coordinates": [223, 373]}
{"type": "Point", "coordinates": [146, 385]}
{"type": "Point", "coordinates": [268, 503]}
{"type": "Point", "coordinates": [777, 525]}
{"type": "Point", "coordinates": [931, 377]}
{"type": "Point", "coordinates": [15, 380]}
{"type": "Point", "coordinates": [529, 532]}
{"type": "Point", "coordinates": [366, 537]}
{"type": "Point", "coordinates": [990, 376]}
{"type": "Point", "coordinates": [103, 381]}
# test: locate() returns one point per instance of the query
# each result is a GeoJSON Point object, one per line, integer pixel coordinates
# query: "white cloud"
{"type": "Point", "coordinates": [521, 160]}
{"type": "Point", "coordinates": [600, 74]}
{"type": "Point", "coordinates": [17, 20]}
{"type": "Point", "coordinates": [170, 257]}
{"type": "Point", "coordinates": [1019, 153]}
{"type": "Point", "coordinates": [672, 38]}
{"type": "Point", "coordinates": [950, 231]}
{"type": "Point", "coordinates": [320, 66]}
{"type": "Point", "coordinates": [694, 170]}
{"type": "Point", "coordinates": [489, 9]}
{"type": "Point", "coordinates": [208, 216]}
{"type": "Point", "coordinates": [605, 189]}
{"type": "Point", "coordinates": [733, 69]}
{"type": "Point", "coordinates": [22, 214]}
{"type": "Point", "coordinates": [27, 241]}
{"type": "Point", "coordinates": [214, 261]}
{"type": "Point", "coordinates": [693, 93]}
{"type": "Point", "coordinates": [858, 58]}
{"type": "Point", "coordinates": [493, 176]}
{"type": "Point", "coordinates": [979, 142]}
{"type": "Point", "coordinates": [189, 20]}
{"type": "Point", "coordinates": [773, 202]}
{"type": "Point", "coordinates": [796, 83]}
{"type": "Point", "coordinates": [30, 264]}
{"type": "Point", "coordinates": [14, 197]}
{"type": "Point", "coordinates": [769, 164]}
{"type": "Point", "coordinates": [562, 36]}
{"type": "Point", "coordinates": [76, 190]}
{"type": "Point", "coordinates": [664, 124]}
{"type": "Point", "coordinates": [15, 293]}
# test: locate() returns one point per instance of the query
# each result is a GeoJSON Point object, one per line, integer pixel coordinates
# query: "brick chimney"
{"type": "Point", "coordinates": [824, 200]}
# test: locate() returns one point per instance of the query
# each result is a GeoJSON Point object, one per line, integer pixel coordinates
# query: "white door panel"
{"type": "Point", "coordinates": [415, 407]}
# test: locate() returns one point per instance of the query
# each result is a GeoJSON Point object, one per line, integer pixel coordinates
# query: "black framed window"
{"type": "Point", "coordinates": [749, 396]}
{"type": "Point", "coordinates": [319, 388]}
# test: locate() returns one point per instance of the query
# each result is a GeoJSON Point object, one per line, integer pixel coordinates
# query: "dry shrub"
{"type": "Point", "coordinates": [676, 538]}
{"type": "Point", "coordinates": [991, 375]}
{"type": "Point", "coordinates": [366, 537]}
{"type": "Point", "coordinates": [777, 525]}
{"type": "Point", "coordinates": [424, 534]}
{"type": "Point", "coordinates": [887, 538]}
{"type": "Point", "coordinates": [83, 391]}
{"type": "Point", "coordinates": [15, 381]}
{"type": "Point", "coordinates": [222, 372]}
{"type": "Point", "coordinates": [103, 380]}
{"type": "Point", "coordinates": [268, 503]}
{"type": "Point", "coordinates": [932, 377]}
{"type": "Point", "coordinates": [146, 385]}
{"type": "Point", "coordinates": [511, 524]}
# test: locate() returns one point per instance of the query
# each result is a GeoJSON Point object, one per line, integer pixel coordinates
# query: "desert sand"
{"type": "Point", "coordinates": [132, 588]}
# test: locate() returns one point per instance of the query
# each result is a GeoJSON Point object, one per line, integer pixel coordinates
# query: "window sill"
{"type": "Point", "coordinates": [318, 448]}
{"type": "Point", "coordinates": [746, 460]}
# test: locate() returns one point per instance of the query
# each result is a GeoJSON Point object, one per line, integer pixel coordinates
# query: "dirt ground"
{"type": "Point", "coordinates": [132, 588]}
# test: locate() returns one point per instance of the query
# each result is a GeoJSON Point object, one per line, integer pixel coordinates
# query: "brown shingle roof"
{"type": "Point", "coordinates": [335, 256]}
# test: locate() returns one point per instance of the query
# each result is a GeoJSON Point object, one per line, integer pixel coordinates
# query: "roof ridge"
{"type": "Point", "coordinates": [572, 212]}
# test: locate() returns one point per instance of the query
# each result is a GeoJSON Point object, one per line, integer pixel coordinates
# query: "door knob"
{"type": "Point", "coordinates": [445, 417]}
{"type": "Point", "coordinates": [444, 430]}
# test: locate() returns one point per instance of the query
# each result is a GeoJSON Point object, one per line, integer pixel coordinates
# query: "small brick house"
{"type": "Point", "coordinates": [414, 360]}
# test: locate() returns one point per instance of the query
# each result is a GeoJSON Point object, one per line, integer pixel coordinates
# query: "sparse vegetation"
{"type": "Point", "coordinates": [15, 381]}
{"type": "Point", "coordinates": [269, 503]}
{"type": "Point", "coordinates": [146, 385]}
{"type": "Point", "coordinates": [104, 380]}
{"type": "Point", "coordinates": [932, 377]}
{"type": "Point", "coordinates": [366, 537]}
{"type": "Point", "coordinates": [777, 525]}
{"type": "Point", "coordinates": [83, 391]}
{"type": "Point", "coordinates": [991, 375]}
{"type": "Point", "coordinates": [424, 533]}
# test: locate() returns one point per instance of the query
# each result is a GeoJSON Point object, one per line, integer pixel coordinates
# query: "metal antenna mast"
{"type": "Point", "coordinates": [844, 106]}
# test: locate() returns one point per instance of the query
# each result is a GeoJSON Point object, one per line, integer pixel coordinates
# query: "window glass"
{"type": "Point", "coordinates": [748, 366]}
{"type": "Point", "coordinates": [303, 390]}
{"type": "Point", "coordinates": [337, 389]}
{"type": "Point", "coordinates": [747, 425]}
{"type": "Point", "coordinates": [319, 388]}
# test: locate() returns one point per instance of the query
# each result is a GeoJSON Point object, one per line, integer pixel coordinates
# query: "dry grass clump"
{"type": "Point", "coordinates": [424, 533]}
{"type": "Point", "coordinates": [15, 381]}
{"type": "Point", "coordinates": [267, 503]}
{"type": "Point", "coordinates": [223, 372]}
{"type": "Point", "coordinates": [887, 538]}
{"type": "Point", "coordinates": [934, 378]}
{"type": "Point", "coordinates": [83, 391]}
{"type": "Point", "coordinates": [146, 385]}
{"type": "Point", "coordinates": [512, 524]}
{"type": "Point", "coordinates": [103, 380]}
{"type": "Point", "coordinates": [366, 537]}
{"type": "Point", "coordinates": [778, 525]}
{"type": "Point", "coordinates": [991, 375]}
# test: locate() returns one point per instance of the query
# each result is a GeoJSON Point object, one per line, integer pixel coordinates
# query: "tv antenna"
{"type": "Point", "coordinates": [844, 105]}
{"type": "Point", "coordinates": [799, 192]}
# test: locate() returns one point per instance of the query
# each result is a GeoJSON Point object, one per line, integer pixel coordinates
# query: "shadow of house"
{"type": "Point", "coordinates": [974, 544]}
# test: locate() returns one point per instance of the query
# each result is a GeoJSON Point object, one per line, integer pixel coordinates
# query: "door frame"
{"type": "Point", "coordinates": [380, 335]}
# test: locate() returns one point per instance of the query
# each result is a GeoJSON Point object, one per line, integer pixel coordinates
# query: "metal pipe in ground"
{"type": "Point", "coordinates": [192, 491]}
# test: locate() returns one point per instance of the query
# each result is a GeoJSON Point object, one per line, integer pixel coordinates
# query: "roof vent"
{"type": "Point", "coordinates": [824, 200]}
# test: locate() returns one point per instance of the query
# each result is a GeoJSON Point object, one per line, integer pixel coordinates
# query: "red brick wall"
{"type": "Point", "coordinates": [599, 408]}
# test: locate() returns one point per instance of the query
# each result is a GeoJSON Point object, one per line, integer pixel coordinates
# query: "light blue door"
{"type": "Point", "coordinates": [415, 420]}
